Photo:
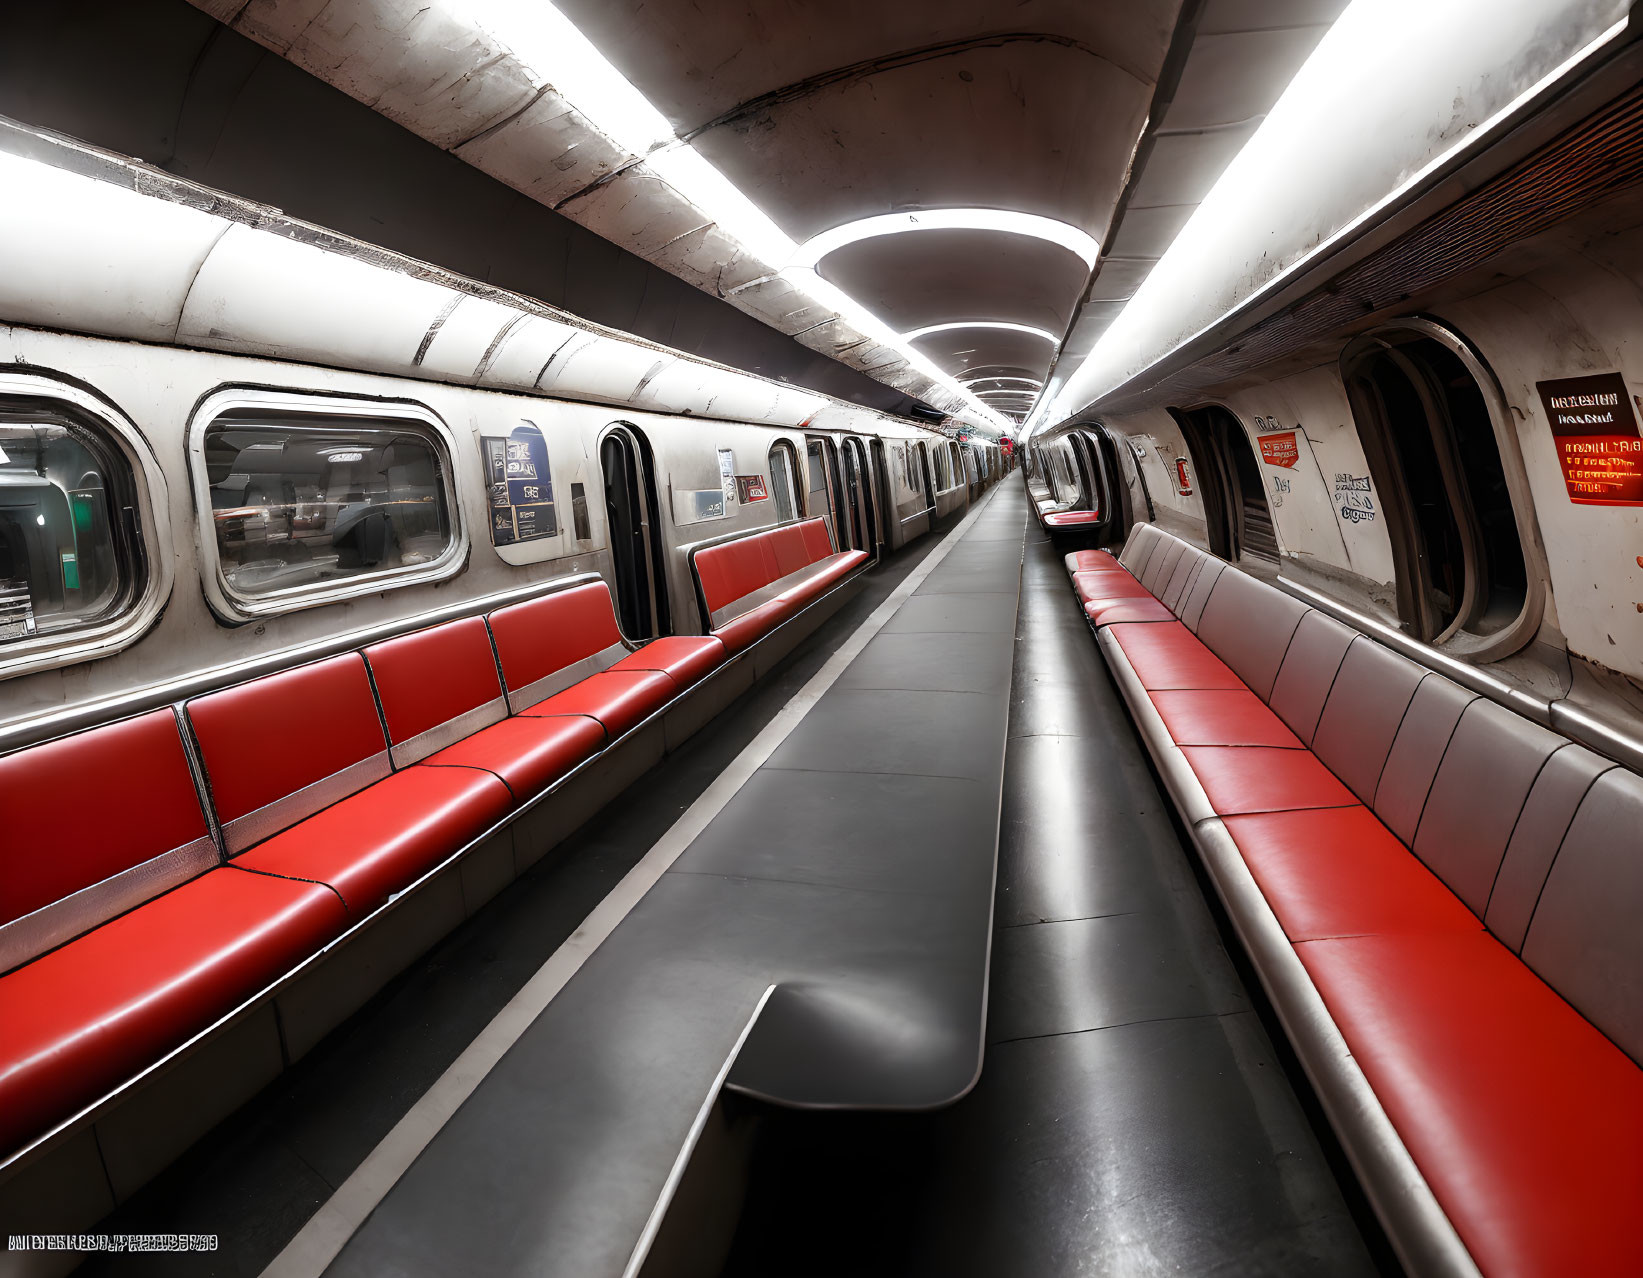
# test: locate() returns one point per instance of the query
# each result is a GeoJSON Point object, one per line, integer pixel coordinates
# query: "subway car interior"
{"type": "Point", "coordinates": [645, 639]}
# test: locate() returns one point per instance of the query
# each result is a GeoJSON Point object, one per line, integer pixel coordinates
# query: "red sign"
{"type": "Point", "coordinates": [1596, 436]}
{"type": "Point", "coordinates": [751, 488]}
{"type": "Point", "coordinates": [1280, 449]}
{"type": "Point", "coordinates": [1183, 482]}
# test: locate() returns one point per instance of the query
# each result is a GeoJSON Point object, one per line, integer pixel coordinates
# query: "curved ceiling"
{"type": "Point", "coordinates": [912, 281]}
{"type": "Point", "coordinates": [740, 131]}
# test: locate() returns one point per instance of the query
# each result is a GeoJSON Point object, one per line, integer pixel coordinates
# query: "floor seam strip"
{"type": "Point", "coordinates": [1096, 1029]}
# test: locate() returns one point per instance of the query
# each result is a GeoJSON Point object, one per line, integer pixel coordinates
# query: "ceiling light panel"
{"type": "Point", "coordinates": [1005, 221]}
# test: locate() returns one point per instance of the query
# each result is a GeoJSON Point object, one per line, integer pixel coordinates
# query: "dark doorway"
{"type": "Point", "coordinates": [630, 512]}
{"type": "Point", "coordinates": [1229, 479]}
{"type": "Point", "coordinates": [859, 491]}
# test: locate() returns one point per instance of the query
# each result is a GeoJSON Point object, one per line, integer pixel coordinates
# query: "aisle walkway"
{"type": "Point", "coordinates": [1132, 1117]}
{"type": "Point", "coordinates": [850, 854]}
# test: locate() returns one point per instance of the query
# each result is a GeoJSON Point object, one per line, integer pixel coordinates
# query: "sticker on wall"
{"type": "Point", "coordinates": [1354, 498]}
{"type": "Point", "coordinates": [727, 475]}
{"type": "Point", "coordinates": [1183, 481]}
{"type": "Point", "coordinates": [1596, 436]}
{"type": "Point", "coordinates": [1280, 449]}
{"type": "Point", "coordinates": [751, 488]}
{"type": "Point", "coordinates": [520, 486]}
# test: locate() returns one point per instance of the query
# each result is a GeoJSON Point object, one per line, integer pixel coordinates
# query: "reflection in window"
{"type": "Point", "coordinates": [300, 503]}
{"type": "Point", "coordinates": [944, 468]}
{"type": "Point", "coordinates": [67, 523]}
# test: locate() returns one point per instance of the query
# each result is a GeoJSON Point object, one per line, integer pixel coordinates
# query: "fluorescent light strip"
{"type": "Point", "coordinates": [859, 317]}
{"type": "Point", "coordinates": [555, 54]}
{"type": "Point", "coordinates": [991, 324]}
{"type": "Point", "coordinates": [1366, 39]}
{"type": "Point", "coordinates": [976, 381]}
{"type": "Point", "coordinates": [1006, 221]}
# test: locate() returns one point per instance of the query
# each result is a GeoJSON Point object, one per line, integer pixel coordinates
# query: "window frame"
{"type": "Point", "coordinates": [795, 499]}
{"type": "Point", "coordinates": [1466, 644]}
{"type": "Point", "coordinates": [152, 536]}
{"type": "Point", "coordinates": [235, 608]}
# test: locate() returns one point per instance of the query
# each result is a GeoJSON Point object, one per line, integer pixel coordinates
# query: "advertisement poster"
{"type": "Point", "coordinates": [520, 486]}
{"type": "Point", "coordinates": [1595, 431]}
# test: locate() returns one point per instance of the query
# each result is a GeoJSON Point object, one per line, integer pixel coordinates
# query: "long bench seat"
{"type": "Point", "coordinates": [142, 900]}
{"type": "Point", "coordinates": [752, 583]}
{"type": "Point", "coordinates": [1443, 900]}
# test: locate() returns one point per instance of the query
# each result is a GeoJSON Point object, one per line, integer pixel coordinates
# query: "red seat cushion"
{"type": "Point", "coordinates": [619, 699]}
{"type": "Point", "coordinates": [686, 659]}
{"type": "Point", "coordinates": [276, 735]}
{"type": "Point", "coordinates": [790, 549]}
{"type": "Point", "coordinates": [1107, 612]}
{"type": "Point", "coordinates": [430, 677]}
{"type": "Point", "coordinates": [735, 568]}
{"type": "Point", "coordinates": [822, 576]}
{"type": "Point", "coordinates": [1340, 872]}
{"type": "Point", "coordinates": [1168, 655]}
{"type": "Point", "coordinates": [1261, 779]}
{"type": "Point", "coordinates": [751, 626]}
{"type": "Point", "coordinates": [818, 541]}
{"type": "Point", "coordinates": [529, 753]}
{"type": "Point", "coordinates": [85, 808]}
{"type": "Point", "coordinates": [1093, 586]}
{"type": "Point", "coordinates": [382, 839]}
{"type": "Point", "coordinates": [1072, 518]}
{"type": "Point", "coordinates": [1524, 1119]}
{"type": "Point", "coordinates": [84, 1018]}
{"type": "Point", "coordinates": [542, 636]}
{"type": "Point", "coordinates": [1085, 560]}
{"type": "Point", "coordinates": [1221, 717]}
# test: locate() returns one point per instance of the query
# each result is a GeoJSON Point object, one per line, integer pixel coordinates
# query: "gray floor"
{"type": "Point", "coordinates": [1132, 1117]}
{"type": "Point", "coordinates": [857, 864]}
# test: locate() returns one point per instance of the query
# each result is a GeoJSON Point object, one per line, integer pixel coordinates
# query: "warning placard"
{"type": "Point", "coordinates": [1595, 431]}
{"type": "Point", "coordinates": [1280, 449]}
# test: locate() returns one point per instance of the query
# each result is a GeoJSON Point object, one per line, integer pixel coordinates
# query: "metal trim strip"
{"type": "Point", "coordinates": [1179, 778]}
{"type": "Point", "coordinates": [20, 733]}
{"type": "Point", "coordinates": [26, 938]}
{"type": "Point", "coordinates": [521, 699]}
{"type": "Point", "coordinates": [436, 738]}
{"type": "Point", "coordinates": [252, 828]}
